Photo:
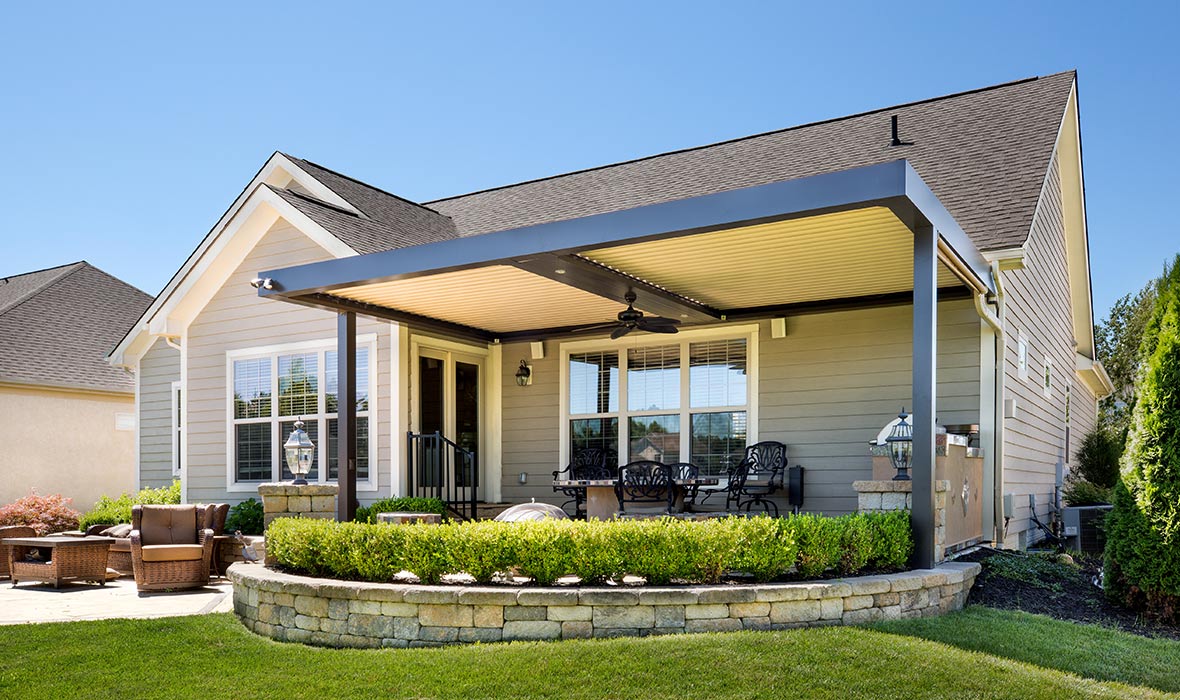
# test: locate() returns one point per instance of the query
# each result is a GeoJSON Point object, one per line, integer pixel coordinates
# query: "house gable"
{"type": "Point", "coordinates": [242, 226]}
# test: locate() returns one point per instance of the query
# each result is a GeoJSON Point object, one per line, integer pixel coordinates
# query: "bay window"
{"type": "Point", "coordinates": [681, 401]}
{"type": "Point", "coordinates": [271, 390]}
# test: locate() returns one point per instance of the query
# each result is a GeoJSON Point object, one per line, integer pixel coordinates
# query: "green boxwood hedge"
{"type": "Point", "coordinates": [660, 550]}
{"type": "Point", "coordinates": [118, 510]}
{"type": "Point", "coordinates": [400, 504]}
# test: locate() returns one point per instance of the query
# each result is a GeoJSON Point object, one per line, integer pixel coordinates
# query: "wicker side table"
{"type": "Point", "coordinates": [62, 559]}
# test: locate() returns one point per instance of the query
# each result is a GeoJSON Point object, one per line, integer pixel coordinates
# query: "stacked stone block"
{"type": "Point", "coordinates": [287, 500]}
{"type": "Point", "coordinates": [357, 614]}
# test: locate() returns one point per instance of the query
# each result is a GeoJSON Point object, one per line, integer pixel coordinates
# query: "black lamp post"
{"type": "Point", "coordinates": [901, 446]}
{"type": "Point", "coordinates": [300, 453]}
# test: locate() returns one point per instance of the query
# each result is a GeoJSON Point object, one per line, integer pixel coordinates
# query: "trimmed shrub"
{"type": "Point", "coordinates": [411, 504]}
{"type": "Point", "coordinates": [245, 516]}
{"type": "Point", "coordinates": [118, 510]}
{"type": "Point", "coordinates": [664, 550]}
{"type": "Point", "coordinates": [1078, 492]}
{"type": "Point", "coordinates": [45, 514]}
{"type": "Point", "coordinates": [1143, 530]}
{"type": "Point", "coordinates": [1097, 458]}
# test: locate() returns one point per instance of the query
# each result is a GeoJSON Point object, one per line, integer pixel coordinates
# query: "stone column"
{"type": "Point", "coordinates": [878, 496]}
{"type": "Point", "coordinates": [286, 500]}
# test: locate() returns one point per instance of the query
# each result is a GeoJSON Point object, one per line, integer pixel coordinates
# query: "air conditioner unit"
{"type": "Point", "coordinates": [1083, 527]}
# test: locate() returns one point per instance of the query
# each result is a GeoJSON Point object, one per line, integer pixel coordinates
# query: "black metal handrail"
{"type": "Point", "coordinates": [439, 468]}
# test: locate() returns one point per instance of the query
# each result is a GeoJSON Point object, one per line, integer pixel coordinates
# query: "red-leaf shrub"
{"type": "Point", "coordinates": [45, 514]}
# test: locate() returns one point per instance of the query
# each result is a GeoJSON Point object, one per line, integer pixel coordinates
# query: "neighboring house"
{"type": "Point", "coordinates": [67, 418]}
{"type": "Point", "coordinates": [792, 258]}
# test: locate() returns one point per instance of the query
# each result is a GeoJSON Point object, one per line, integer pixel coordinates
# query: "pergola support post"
{"type": "Point", "coordinates": [346, 415]}
{"type": "Point", "coordinates": [925, 353]}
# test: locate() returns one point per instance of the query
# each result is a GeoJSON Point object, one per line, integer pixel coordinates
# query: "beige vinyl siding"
{"type": "Point", "coordinates": [1038, 304]}
{"type": "Point", "coordinates": [825, 390]}
{"type": "Point", "coordinates": [829, 386]}
{"type": "Point", "coordinates": [158, 368]}
{"type": "Point", "coordinates": [236, 318]}
{"type": "Point", "coordinates": [1083, 413]}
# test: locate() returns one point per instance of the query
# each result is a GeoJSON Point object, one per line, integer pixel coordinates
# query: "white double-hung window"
{"type": "Point", "coordinates": [685, 398]}
{"type": "Point", "coordinates": [271, 388]}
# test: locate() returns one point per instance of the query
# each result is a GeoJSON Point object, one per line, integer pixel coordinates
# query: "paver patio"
{"type": "Point", "coordinates": [30, 602]}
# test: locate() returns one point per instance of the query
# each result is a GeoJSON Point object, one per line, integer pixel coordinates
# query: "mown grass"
{"type": "Point", "coordinates": [215, 657]}
{"type": "Point", "coordinates": [1091, 651]}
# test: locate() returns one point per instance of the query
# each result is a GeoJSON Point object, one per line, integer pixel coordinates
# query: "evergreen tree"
{"type": "Point", "coordinates": [1143, 530]}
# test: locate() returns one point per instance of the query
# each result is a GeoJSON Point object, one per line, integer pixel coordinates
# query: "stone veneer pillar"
{"type": "Point", "coordinates": [880, 496]}
{"type": "Point", "coordinates": [286, 500]}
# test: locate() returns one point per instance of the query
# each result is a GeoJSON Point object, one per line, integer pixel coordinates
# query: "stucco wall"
{"type": "Point", "coordinates": [64, 442]}
{"type": "Point", "coordinates": [236, 318]}
{"type": "Point", "coordinates": [158, 368]}
{"type": "Point", "coordinates": [825, 390]}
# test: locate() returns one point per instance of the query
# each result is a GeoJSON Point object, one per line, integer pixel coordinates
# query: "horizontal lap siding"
{"type": "Point", "coordinates": [1038, 303]}
{"type": "Point", "coordinates": [836, 379]}
{"type": "Point", "coordinates": [236, 318]}
{"type": "Point", "coordinates": [826, 390]}
{"type": "Point", "coordinates": [158, 368]}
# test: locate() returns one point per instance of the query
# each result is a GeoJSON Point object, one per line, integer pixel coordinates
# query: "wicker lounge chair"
{"type": "Point", "coordinates": [11, 531]}
{"type": "Point", "coordinates": [170, 547]}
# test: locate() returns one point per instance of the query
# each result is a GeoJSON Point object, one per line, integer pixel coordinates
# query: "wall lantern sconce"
{"type": "Point", "coordinates": [523, 478]}
{"type": "Point", "coordinates": [300, 453]}
{"type": "Point", "coordinates": [524, 374]}
{"type": "Point", "coordinates": [901, 446]}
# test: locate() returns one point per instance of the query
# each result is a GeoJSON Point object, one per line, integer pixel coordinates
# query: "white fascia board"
{"type": "Point", "coordinates": [1094, 375]}
{"type": "Point", "coordinates": [1007, 258]}
{"type": "Point", "coordinates": [278, 171]}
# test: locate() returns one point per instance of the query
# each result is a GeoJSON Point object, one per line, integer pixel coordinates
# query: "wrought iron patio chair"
{"type": "Point", "coordinates": [684, 471]}
{"type": "Point", "coordinates": [645, 482]}
{"type": "Point", "coordinates": [758, 477]}
{"type": "Point", "coordinates": [589, 463]}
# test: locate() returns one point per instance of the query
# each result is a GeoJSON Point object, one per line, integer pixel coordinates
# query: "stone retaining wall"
{"type": "Point", "coordinates": [328, 612]}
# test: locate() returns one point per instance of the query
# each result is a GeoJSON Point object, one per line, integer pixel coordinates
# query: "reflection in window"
{"type": "Point", "coordinates": [252, 388]}
{"type": "Point", "coordinates": [654, 437]}
{"type": "Point", "coordinates": [299, 384]}
{"type": "Point", "coordinates": [597, 433]}
{"type": "Point", "coordinates": [718, 441]}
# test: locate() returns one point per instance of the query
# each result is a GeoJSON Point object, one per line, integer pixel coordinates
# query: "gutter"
{"type": "Point", "coordinates": [996, 320]}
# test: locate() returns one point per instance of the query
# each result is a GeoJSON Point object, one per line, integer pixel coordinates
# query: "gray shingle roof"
{"type": "Point", "coordinates": [984, 153]}
{"type": "Point", "coordinates": [61, 328]}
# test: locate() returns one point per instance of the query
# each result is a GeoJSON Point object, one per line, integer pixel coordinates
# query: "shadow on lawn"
{"type": "Point", "coordinates": [1087, 650]}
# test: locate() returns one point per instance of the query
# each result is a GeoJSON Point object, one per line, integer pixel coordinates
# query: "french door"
{"type": "Point", "coordinates": [448, 388]}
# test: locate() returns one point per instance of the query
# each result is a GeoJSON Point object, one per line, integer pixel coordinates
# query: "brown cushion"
{"type": "Point", "coordinates": [117, 530]}
{"type": "Point", "coordinates": [172, 552]}
{"type": "Point", "coordinates": [169, 525]}
{"type": "Point", "coordinates": [121, 545]}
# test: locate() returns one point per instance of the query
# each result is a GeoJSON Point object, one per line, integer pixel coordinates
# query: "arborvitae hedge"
{"type": "Point", "coordinates": [1143, 531]}
{"type": "Point", "coordinates": [661, 550]}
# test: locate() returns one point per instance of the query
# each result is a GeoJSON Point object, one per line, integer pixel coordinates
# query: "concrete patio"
{"type": "Point", "coordinates": [32, 603]}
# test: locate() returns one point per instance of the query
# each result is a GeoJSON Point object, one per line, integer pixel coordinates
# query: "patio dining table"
{"type": "Point", "coordinates": [602, 504]}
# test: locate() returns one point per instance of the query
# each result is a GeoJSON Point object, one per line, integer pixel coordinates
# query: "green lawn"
{"type": "Point", "coordinates": [215, 657]}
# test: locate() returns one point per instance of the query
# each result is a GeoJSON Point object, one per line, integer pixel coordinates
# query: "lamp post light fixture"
{"type": "Point", "coordinates": [300, 453]}
{"type": "Point", "coordinates": [524, 374]}
{"type": "Point", "coordinates": [901, 446]}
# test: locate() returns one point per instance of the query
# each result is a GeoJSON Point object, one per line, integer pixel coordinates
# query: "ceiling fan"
{"type": "Point", "coordinates": [632, 319]}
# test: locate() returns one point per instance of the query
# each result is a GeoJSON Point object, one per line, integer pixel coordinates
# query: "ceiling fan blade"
{"type": "Point", "coordinates": [594, 327]}
{"type": "Point", "coordinates": [620, 332]}
{"type": "Point", "coordinates": [662, 329]}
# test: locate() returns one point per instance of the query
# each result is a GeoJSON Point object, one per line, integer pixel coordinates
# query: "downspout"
{"type": "Point", "coordinates": [996, 320]}
{"type": "Point", "coordinates": [171, 342]}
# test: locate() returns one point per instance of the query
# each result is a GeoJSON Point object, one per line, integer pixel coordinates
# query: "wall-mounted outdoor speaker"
{"type": "Point", "coordinates": [795, 487]}
{"type": "Point", "coordinates": [778, 327]}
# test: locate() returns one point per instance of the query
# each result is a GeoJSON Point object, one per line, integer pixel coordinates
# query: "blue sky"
{"type": "Point", "coordinates": [127, 129]}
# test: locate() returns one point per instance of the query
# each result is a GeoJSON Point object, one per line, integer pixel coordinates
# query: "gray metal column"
{"type": "Point", "coordinates": [346, 415]}
{"type": "Point", "coordinates": [925, 350]}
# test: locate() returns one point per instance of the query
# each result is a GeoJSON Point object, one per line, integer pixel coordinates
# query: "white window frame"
{"type": "Point", "coordinates": [321, 347]}
{"type": "Point", "coordinates": [1021, 355]}
{"type": "Point", "coordinates": [747, 332]}
{"type": "Point", "coordinates": [1047, 379]}
{"type": "Point", "coordinates": [177, 427]}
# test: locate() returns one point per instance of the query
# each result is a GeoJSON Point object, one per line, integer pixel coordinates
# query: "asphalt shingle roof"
{"type": "Point", "coordinates": [984, 153]}
{"type": "Point", "coordinates": [60, 329]}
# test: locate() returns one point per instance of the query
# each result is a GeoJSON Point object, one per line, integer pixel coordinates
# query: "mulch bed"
{"type": "Point", "coordinates": [1038, 584]}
